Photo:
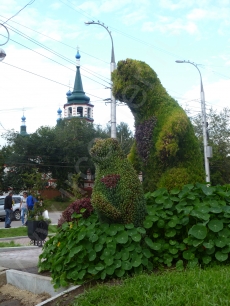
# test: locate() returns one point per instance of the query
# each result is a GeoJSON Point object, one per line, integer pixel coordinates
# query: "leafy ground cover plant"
{"type": "Point", "coordinates": [183, 227]}
{"type": "Point", "coordinates": [76, 207]}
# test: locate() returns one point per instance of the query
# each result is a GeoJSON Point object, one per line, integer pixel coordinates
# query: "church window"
{"type": "Point", "coordinates": [80, 111]}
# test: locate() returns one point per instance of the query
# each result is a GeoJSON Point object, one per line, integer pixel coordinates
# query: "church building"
{"type": "Point", "coordinates": [78, 104]}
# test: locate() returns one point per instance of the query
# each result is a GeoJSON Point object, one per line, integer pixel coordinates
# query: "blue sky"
{"type": "Point", "coordinates": [156, 32]}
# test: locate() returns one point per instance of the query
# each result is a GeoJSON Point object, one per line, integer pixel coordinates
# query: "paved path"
{"type": "Point", "coordinates": [54, 216]}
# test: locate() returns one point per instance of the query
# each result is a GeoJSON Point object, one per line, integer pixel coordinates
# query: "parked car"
{"type": "Point", "coordinates": [16, 206]}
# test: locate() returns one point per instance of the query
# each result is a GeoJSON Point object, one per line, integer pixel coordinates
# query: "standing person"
{"type": "Point", "coordinates": [30, 202]}
{"type": "Point", "coordinates": [8, 208]}
{"type": "Point", "coordinates": [23, 207]}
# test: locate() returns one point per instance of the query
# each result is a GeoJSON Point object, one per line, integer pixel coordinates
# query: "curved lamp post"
{"type": "Point", "coordinates": [112, 68]}
{"type": "Point", "coordinates": [207, 149]}
{"type": "Point", "coordinates": [2, 52]}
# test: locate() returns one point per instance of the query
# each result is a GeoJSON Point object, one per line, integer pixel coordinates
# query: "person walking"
{"type": "Point", "coordinates": [23, 207]}
{"type": "Point", "coordinates": [8, 203]}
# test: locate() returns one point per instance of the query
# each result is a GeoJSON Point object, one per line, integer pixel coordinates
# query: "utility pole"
{"type": "Point", "coordinates": [207, 149]}
{"type": "Point", "coordinates": [112, 68]}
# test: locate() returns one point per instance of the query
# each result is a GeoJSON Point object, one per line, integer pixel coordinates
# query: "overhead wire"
{"type": "Point", "coordinates": [29, 3]}
{"type": "Point", "coordinates": [45, 78]}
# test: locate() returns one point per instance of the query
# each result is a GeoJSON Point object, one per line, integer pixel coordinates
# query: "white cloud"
{"type": "Point", "coordinates": [209, 13]}
{"type": "Point", "coordinates": [216, 96]}
{"type": "Point", "coordinates": [175, 27]}
{"type": "Point", "coordinates": [55, 5]}
{"type": "Point", "coordinates": [132, 18]}
{"type": "Point", "coordinates": [175, 5]}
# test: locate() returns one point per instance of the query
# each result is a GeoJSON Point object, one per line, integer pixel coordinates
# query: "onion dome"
{"type": "Point", "coordinates": [78, 56]}
{"type": "Point", "coordinates": [23, 118]}
{"type": "Point", "coordinates": [59, 111]}
{"type": "Point", "coordinates": [69, 93]}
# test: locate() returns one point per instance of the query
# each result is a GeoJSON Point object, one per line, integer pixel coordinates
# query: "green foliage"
{"type": "Point", "coordinates": [183, 227]}
{"type": "Point", "coordinates": [196, 287]}
{"type": "Point", "coordinates": [219, 133]}
{"type": "Point", "coordinates": [88, 249]}
{"type": "Point", "coordinates": [117, 194]}
{"type": "Point", "coordinates": [165, 139]}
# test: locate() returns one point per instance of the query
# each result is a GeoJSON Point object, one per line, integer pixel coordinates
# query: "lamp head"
{"type": "Point", "coordinates": [89, 22]}
{"type": "Point", "coordinates": [179, 61]}
{"type": "Point", "coordinates": [2, 55]}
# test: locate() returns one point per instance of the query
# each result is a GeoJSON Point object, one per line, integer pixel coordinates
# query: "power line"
{"type": "Point", "coordinates": [60, 42]}
{"type": "Point", "coordinates": [46, 78]}
{"type": "Point", "coordinates": [29, 3]}
{"type": "Point", "coordinates": [57, 54]}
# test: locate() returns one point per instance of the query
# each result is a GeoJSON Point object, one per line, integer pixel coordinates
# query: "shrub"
{"type": "Point", "coordinates": [164, 138]}
{"type": "Point", "coordinates": [117, 194]}
{"type": "Point", "coordinates": [76, 207]}
{"type": "Point", "coordinates": [183, 227]}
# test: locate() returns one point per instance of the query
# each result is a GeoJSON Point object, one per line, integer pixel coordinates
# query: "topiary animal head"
{"type": "Point", "coordinates": [105, 150]}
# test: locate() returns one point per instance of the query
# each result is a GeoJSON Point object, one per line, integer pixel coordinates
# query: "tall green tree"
{"type": "Point", "coordinates": [219, 139]}
{"type": "Point", "coordinates": [58, 150]}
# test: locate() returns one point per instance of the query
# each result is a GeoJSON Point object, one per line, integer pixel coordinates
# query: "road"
{"type": "Point", "coordinates": [54, 216]}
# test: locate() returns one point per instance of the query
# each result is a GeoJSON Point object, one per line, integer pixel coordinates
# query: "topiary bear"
{"type": "Point", "coordinates": [166, 148]}
{"type": "Point", "coordinates": [117, 193]}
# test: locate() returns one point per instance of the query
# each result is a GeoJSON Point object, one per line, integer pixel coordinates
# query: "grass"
{"type": "Point", "coordinates": [22, 231]}
{"type": "Point", "coordinates": [9, 244]}
{"type": "Point", "coordinates": [209, 287]}
{"type": "Point", "coordinates": [53, 205]}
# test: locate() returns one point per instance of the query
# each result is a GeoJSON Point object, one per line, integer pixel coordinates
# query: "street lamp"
{"type": "Point", "coordinates": [2, 52]}
{"type": "Point", "coordinates": [207, 149]}
{"type": "Point", "coordinates": [112, 68]}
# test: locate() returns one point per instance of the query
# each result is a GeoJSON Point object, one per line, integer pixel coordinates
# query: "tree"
{"type": "Point", "coordinates": [58, 150]}
{"type": "Point", "coordinates": [219, 139]}
{"type": "Point", "coordinates": [124, 136]}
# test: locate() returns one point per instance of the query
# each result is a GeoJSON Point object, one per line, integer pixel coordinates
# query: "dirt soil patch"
{"type": "Point", "coordinates": [20, 297]}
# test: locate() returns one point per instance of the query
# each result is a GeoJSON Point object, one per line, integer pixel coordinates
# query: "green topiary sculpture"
{"type": "Point", "coordinates": [166, 149]}
{"type": "Point", "coordinates": [117, 194]}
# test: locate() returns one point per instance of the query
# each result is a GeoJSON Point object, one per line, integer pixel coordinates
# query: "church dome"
{"type": "Point", "coordinates": [59, 111]}
{"type": "Point", "coordinates": [78, 56]}
{"type": "Point", "coordinates": [69, 93]}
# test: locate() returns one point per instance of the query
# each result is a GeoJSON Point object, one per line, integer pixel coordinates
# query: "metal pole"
{"type": "Point", "coordinates": [112, 68]}
{"type": "Point", "coordinates": [204, 127]}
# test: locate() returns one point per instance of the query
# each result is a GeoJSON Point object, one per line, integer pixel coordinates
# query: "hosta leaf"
{"type": "Point", "coordinates": [136, 262]}
{"type": "Point", "coordinates": [226, 249]}
{"type": "Point", "coordinates": [198, 231]}
{"type": "Point", "coordinates": [156, 246]}
{"type": "Point", "coordinates": [180, 265]}
{"type": "Point", "coordinates": [207, 190]}
{"type": "Point", "coordinates": [192, 263]}
{"type": "Point", "coordinates": [210, 251]}
{"type": "Point", "coordinates": [208, 245]}
{"type": "Point", "coordinates": [147, 253]}
{"type": "Point", "coordinates": [136, 237]}
{"type": "Point", "coordinates": [124, 255]}
{"type": "Point", "coordinates": [206, 259]}
{"type": "Point", "coordinates": [141, 230]}
{"type": "Point", "coordinates": [108, 261]}
{"type": "Point", "coordinates": [149, 242]}
{"type": "Point", "coordinates": [132, 231]}
{"type": "Point", "coordinates": [129, 226]}
{"type": "Point", "coordinates": [161, 223]}
{"type": "Point", "coordinates": [188, 255]}
{"type": "Point", "coordinates": [110, 270]}
{"type": "Point", "coordinates": [147, 224]}
{"type": "Point", "coordinates": [173, 250]}
{"type": "Point", "coordinates": [98, 247]}
{"type": "Point", "coordinates": [172, 223]}
{"type": "Point", "coordinates": [221, 256]}
{"type": "Point", "coordinates": [120, 272]}
{"type": "Point", "coordinates": [168, 203]}
{"type": "Point", "coordinates": [203, 209]}
{"type": "Point", "coordinates": [111, 231]}
{"type": "Point", "coordinates": [126, 265]}
{"type": "Point", "coordinates": [81, 236]}
{"type": "Point", "coordinates": [216, 210]}
{"type": "Point", "coordinates": [196, 242]}
{"type": "Point", "coordinates": [117, 263]}
{"type": "Point", "coordinates": [81, 274]}
{"type": "Point", "coordinates": [92, 255]}
{"type": "Point", "coordinates": [175, 191]}
{"type": "Point", "coordinates": [99, 266]}
{"type": "Point", "coordinates": [215, 225]}
{"type": "Point", "coordinates": [122, 238]}
{"type": "Point", "coordinates": [92, 270]}
{"type": "Point", "coordinates": [170, 233]}
{"type": "Point", "coordinates": [221, 242]}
